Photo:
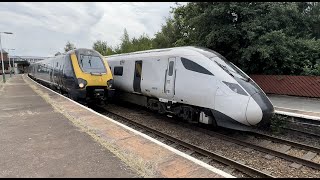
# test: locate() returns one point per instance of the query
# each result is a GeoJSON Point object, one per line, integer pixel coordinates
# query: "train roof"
{"type": "Point", "coordinates": [66, 53]}
{"type": "Point", "coordinates": [194, 50]}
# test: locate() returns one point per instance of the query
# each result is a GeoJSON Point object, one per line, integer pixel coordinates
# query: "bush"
{"type": "Point", "coordinates": [278, 122]}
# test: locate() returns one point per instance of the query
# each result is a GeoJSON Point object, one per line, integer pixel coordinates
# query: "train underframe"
{"type": "Point", "coordinates": [189, 113]}
{"type": "Point", "coordinates": [90, 94]}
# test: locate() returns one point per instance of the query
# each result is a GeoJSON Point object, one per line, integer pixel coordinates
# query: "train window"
{"type": "Point", "coordinates": [118, 70]}
{"type": "Point", "coordinates": [92, 64]}
{"type": "Point", "coordinates": [192, 66]}
{"type": "Point", "coordinates": [68, 67]}
{"type": "Point", "coordinates": [171, 68]}
{"type": "Point", "coordinates": [138, 68]}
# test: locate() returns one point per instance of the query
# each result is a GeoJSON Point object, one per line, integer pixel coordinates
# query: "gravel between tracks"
{"type": "Point", "coordinates": [296, 136]}
{"type": "Point", "coordinates": [276, 166]}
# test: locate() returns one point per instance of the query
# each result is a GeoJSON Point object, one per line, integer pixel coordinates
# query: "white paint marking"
{"type": "Point", "coordinates": [296, 109]}
{"type": "Point", "coordinates": [207, 166]}
{"type": "Point", "coordinates": [298, 115]}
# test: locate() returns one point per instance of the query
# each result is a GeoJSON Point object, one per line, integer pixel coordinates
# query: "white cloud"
{"type": "Point", "coordinates": [42, 29]}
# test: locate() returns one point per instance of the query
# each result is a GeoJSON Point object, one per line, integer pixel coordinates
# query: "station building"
{"type": "Point", "coordinates": [19, 63]}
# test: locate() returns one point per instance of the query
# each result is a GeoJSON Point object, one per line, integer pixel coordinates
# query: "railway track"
{"type": "Point", "coordinates": [301, 120]}
{"type": "Point", "coordinates": [273, 152]}
{"type": "Point", "coordinates": [307, 124]}
{"type": "Point", "coordinates": [302, 132]}
{"type": "Point", "coordinates": [210, 156]}
{"type": "Point", "coordinates": [287, 142]}
{"type": "Point", "coordinates": [276, 153]}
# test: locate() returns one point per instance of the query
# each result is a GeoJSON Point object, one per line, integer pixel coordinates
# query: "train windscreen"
{"type": "Point", "coordinates": [242, 78]}
{"type": "Point", "coordinates": [223, 63]}
{"type": "Point", "coordinates": [91, 64]}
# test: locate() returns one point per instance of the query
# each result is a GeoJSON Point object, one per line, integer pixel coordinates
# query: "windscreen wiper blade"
{"type": "Point", "coordinates": [96, 74]}
{"type": "Point", "coordinates": [226, 69]}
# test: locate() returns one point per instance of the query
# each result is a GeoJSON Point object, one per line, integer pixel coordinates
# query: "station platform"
{"type": "Point", "coordinates": [44, 134]}
{"type": "Point", "coordinates": [296, 106]}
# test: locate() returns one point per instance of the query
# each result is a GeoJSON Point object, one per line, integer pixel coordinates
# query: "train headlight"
{"type": "Point", "coordinates": [110, 83]}
{"type": "Point", "coordinates": [235, 88]}
{"type": "Point", "coordinates": [82, 83]}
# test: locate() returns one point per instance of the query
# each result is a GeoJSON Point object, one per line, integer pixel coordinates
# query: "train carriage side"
{"type": "Point", "coordinates": [188, 83]}
{"type": "Point", "coordinates": [141, 76]}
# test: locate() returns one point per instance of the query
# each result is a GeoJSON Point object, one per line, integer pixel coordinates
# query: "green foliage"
{"type": "Point", "coordinates": [312, 70]}
{"type": "Point", "coordinates": [103, 48]}
{"type": "Point", "coordinates": [142, 43]}
{"type": "Point", "coordinates": [166, 37]}
{"type": "Point", "coordinates": [278, 122]}
{"type": "Point", "coordinates": [69, 46]}
{"type": "Point", "coordinates": [259, 37]}
{"type": "Point", "coordinates": [127, 45]}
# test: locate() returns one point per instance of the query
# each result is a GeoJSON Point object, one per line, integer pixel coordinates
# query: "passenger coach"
{"type": "Point", "coordinates": [194, 83]}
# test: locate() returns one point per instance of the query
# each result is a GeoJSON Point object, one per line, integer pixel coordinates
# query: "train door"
{"type": "Point", "coordinates": [137, 76]}
{"type": "Point", "coordinates": [170, 77]}
{"type": "Point", "coordinates": [56, 73]}
{"type": "Point", "coordinates": [60, 73]}
{"type": "Point", "coordinates": [50, 72]}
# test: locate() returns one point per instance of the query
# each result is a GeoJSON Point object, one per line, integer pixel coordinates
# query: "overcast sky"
{"type": "Point", "coordinates": [43, 28]}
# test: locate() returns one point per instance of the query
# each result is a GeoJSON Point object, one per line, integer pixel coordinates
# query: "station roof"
{"type": "Point", "coordinates": [4, 52]}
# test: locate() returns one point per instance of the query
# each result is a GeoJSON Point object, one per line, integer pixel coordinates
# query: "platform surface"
{"type": "Point", "coordinates": [37, 141]}
{"type": "Point", "coordinates": [297, 105]}
{"type": "Point", "coordinates": [43, 134]}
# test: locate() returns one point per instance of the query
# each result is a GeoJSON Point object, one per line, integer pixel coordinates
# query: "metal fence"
{"type": "Point", "coordinates": [307, 86]}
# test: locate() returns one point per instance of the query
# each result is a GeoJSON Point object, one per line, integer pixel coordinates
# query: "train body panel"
{"type": "Point", "coordinates": [190, 85]}
{"type": "Point", "coordinates": [80, 73]}
{"type": "Point", "coordinates": [191, 82]}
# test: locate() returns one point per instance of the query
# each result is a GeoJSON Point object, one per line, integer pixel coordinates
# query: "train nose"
{"type": "Point", "coordinates": [259, 110]}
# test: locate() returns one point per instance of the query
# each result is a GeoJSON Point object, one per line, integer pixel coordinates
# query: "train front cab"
{"type": "Point", "coordinates": [93, 75]}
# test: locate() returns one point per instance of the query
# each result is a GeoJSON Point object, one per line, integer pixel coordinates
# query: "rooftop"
{"type": "Point", "coordinates": [29, 57]}
{"type": "Point", "coordinates": [4, 52]}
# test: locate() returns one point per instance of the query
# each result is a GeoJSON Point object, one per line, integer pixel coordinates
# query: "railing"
{"type": "Point", "coordinates": [307, 86]}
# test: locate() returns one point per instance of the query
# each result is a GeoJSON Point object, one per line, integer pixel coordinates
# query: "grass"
{"type": "Point", "coordinates": [278, 123]}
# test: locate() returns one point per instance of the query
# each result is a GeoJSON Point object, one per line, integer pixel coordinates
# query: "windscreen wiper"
{"type": "Point", "coordinates": [226, 69]}
{"type": "Point", "coordinates": [96, 74]}
{"type": "Point", "coordinates": [246, 79]}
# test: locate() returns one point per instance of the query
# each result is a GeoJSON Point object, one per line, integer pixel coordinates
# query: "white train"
{"type": "Point", "coordinates": [194, 83]}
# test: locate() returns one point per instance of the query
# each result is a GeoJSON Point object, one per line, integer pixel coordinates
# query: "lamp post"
{"type": "Point", "coordinates": [3, 75]}
{"type": "Point", "coordinates": [10, 63]}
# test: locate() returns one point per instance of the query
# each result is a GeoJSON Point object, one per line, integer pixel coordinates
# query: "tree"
{"type": "Point", "coordinates": [69, 46]}
{"type": "Point", "coordinates": [101, 47]}
{"type": "Point", "coordinates": [259, 37]}
{"type": "Point", "coordinates": [142, 43]}
{"type": "Point", "coordinates": [167, 36]}
{"type": "Point", "coordinates": [125, 44]}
